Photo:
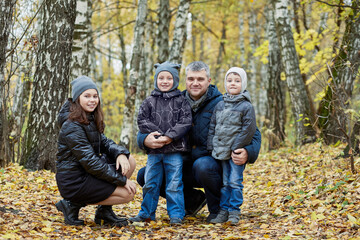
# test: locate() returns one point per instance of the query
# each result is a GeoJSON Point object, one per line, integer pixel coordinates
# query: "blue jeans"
{"type": "Point", "coordinates": [156, 164]}
{"type": "Point", "coordinates": [208, 174]}
{"type": "Point", "coordinates": [231, 192]}
{"type": "Point", "coordinates": [205, 172]}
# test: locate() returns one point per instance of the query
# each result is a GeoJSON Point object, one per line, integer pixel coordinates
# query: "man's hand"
{"type": "Point", "coordinates": [239, 156]}
{"type": "Point", "coordinates": [130, 186]}
{"type": "Point", "coordinates": [122, 161]}
{"type": "Point", "coordinates": [152, 142]}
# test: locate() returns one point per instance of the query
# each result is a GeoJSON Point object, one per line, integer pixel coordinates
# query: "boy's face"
{"type": "Point", "coordinates": [233, 84]}
{"type": "Point", "coordinates": [165, 81]}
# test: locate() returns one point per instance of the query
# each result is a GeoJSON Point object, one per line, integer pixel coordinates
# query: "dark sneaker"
{"type": "Point", "coordinates": [234, 217]}
{"type": "Point", "coordinates": [138, 219]}
{"type": "Point", "coordinates": [211, 217]}
{"type": "Point", "coordinates": [197, 203]}
{"type": "Point", "coordinates": [222, 217]}
{"type": "Point", "coordinates": [175, 221]}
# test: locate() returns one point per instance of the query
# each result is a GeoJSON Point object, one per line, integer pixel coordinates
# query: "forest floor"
{"type": "Point", "coordinates": [291, 193]}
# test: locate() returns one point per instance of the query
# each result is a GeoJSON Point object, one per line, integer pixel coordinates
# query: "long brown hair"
{"type": "Point", "coordinates": [77, 113]}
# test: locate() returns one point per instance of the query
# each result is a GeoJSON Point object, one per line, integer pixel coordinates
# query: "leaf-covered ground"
{"type": "Point", "coordinates": [291, 193]}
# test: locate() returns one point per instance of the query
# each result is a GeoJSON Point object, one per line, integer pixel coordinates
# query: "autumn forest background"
{"type": "Point", "coordinates": [302, 58]}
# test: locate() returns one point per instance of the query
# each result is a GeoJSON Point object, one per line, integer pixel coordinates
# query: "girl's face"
{"type": "Point", "coordinates": [89, 100]}
{"type": "Point", "coordinates": [233, 84]}
{"type": "Point", "coordinates": [165, 81]}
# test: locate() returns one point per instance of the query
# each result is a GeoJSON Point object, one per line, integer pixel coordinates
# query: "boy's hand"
{"type": "Point", "coordinates": [153, 140]}
{"type": "Point", "coordinates": [239, 156]}
{"type": "Point", "coordinates": [166, 139]}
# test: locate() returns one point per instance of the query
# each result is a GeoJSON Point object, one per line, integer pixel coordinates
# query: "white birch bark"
{"type": "Point", "coordinates": [50, 85]}
{"type": "Point", "coordinates": [131, 89]}
{"type": "Point", "coordinates": [179, 37]}
{"type": "Point", "coordinates": [81, 40]}
{"type": "Point", "coordinates": [299, 100]}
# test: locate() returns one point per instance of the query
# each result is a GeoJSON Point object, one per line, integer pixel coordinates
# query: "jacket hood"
{"type": "Point", "coordinates": [242, 74]}
{"type": "Point", "coordinates": [171, 94]}
{"type": "Point", "coordinates": [237, 98]}
{"type": "Point", "coordinates": [64, 113]}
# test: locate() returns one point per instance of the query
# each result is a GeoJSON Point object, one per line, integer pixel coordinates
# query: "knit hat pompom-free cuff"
{"type": "Point", "coordinates": [172, 68]}
{"type": "Point", "coordinates": [80, 85]}
{"type": "Point", "coordinates": [241, 72]}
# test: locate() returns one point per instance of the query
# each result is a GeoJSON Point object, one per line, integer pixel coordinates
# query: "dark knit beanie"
{"type": "Point", "coordinates": [169, 67]}
{"type": "Point", "coordinates": [81, 84]}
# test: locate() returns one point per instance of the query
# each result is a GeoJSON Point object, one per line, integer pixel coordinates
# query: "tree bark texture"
{"type": "Point", "coordinates": [179, 37]}
{"type": "Point", "coordinates": [276, 115]}
{"type": "Point", "coordinates": [343, 72]}
{"type": "Point", "coordinates": [6, 17]}
{"type": "Point", "coordinates": [164, 18]}
{"type": "Point", "coordinates": [50, 85]}
{"type": "Point", "coordinates": [80, 64]}
{"type": "Point", "coordinates": [299, 100]}
{"type": "Point", "coordinates": [252, 71]}
{"type": "Point", "coordinates": [131, 89]}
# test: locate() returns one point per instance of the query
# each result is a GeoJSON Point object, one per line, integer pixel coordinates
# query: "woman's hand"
{"type": "Point", "coordinates": [130, 186]}
{"type": "Point", "coordinates": [122, 161]}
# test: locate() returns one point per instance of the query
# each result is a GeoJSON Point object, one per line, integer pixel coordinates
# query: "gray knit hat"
{"type": "Point", "coordinates": [81, 84]}
{"type": "Point", "coordinates": [242, 74]}
{"type": "Point", "coordinates": [169, 67]}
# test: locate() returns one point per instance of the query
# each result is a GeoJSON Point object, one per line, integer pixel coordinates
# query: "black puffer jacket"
{"type": "Point", "coordinates": [79, 150]}
{"type": "Point", "coordinates": [168, 113]}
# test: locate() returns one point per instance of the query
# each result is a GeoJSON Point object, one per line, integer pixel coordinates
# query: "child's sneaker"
{"type": "Point", "coordinates": [221, 217]}
{"type": "Point", "coordinates": [175, 221]}
{"type": "Point", "coordinates": [137, 219]}
{"type": "Point", "coordinates": [234, 217]}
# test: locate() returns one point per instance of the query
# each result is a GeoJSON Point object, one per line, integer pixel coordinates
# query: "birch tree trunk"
{"type": "Point", "coordinates": [162, 38]}
{"type": "Point", "coordinates": [252, 73]}
{"type": "Point", "coordinates": [242, 40]}
{"type": "Point", "coordinates": [131, 90]}
{"type": "Point", "coordinates": [50, 85]}
{"type": "Point", "coordinates": [80, 64]}
{"type": "Point", "coordinates": [6, 16]}
{"type": "Point", "coordinates": [343, 73]}
{"type": "Point", "coordinates": [276, 114]}
{"type": "Point", "coordinates": [300, 103]}
{"type": "Point", "coordinates": [179, 38]}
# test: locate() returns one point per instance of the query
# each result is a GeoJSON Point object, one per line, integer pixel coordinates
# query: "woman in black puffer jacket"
{"type": "Point", "coordinates": [91, 169]}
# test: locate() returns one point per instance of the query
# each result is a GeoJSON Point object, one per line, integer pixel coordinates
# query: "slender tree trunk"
{"type": "Point", "coordinates": [123, 57]}
{"type": "Point", "coordinates": [300, 102]}
{"type": "Point", "coordinates": [164, 18]}
{"type": "Point", "coordinates": [221, 51]}
{"type": "Point", "coordinates": [242, 40]}
{"type": "Point", "coordinates": [252, 72]}
{"type": "Point", "coordinates": [80, 64]}
{"type": "Point", "coordinates": [6, 16]}
{"type": "Point", "coordinates": [50, 84]}
{"type": "Point", "coordinates": [276, 114]}
{"type": "Point", "coordinates": [131, 89]}
{"type": "Point", "coordinates": [179, 38]}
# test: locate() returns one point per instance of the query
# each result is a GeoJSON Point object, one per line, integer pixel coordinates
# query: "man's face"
{"type": "Point", "coordinates": [197, 83]}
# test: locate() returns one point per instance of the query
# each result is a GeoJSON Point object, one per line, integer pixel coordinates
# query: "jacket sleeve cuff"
{"type": "Point", "coordinates": [140, 140]}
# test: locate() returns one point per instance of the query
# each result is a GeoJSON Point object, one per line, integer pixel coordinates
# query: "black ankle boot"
{"type": "Point", "coordinates": [105, 215]}
{"type": "Point", "coordinates": [70, 211]}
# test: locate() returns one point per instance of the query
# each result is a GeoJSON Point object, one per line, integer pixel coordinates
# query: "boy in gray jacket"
{"type": "Point", "coordinates": [232, 126]}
